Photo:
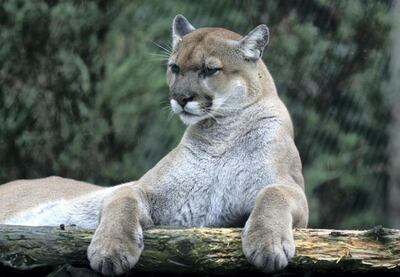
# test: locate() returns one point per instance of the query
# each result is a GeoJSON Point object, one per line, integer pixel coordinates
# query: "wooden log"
{"type": "Point", "coordinates": [209, 251]}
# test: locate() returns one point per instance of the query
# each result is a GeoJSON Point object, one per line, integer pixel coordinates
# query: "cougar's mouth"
{"type": "Point", "coordinates": [188, 113]}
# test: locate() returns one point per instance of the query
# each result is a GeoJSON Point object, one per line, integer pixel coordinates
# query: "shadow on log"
{"type": "Point", "coordinates": [203, 251]}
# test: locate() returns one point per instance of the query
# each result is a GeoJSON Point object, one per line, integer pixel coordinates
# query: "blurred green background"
{"type": "Point", "coordinates": [83, 92]}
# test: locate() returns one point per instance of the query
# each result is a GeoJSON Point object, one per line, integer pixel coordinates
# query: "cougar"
{"type": "Point", "coordinates": [236, 165]}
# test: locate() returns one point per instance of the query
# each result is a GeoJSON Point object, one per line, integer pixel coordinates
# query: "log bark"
{"type": "Point", "coordinates": [206, 251]}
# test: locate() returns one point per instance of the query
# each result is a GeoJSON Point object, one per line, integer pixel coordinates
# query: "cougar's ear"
{"type": "Point", "coordinates": [180, 27]}
{"type": "Point", "coordinates": [254, 43]}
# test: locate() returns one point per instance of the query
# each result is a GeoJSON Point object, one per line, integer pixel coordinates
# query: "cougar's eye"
{"type": "Point", "coordinates": [208, 71]}
{"type": "Point", "coordinates": [174, 68]}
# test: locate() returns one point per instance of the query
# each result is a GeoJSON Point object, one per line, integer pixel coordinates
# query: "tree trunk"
{"type": "Point", "coordinates": [394, 130]}
{"type": "Point", "coordinates": [203, 250]}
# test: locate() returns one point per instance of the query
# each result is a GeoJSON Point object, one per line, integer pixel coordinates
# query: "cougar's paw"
{"type": "Point", "coordinates": [114, 256]}
{"type": "Point", "coordinates": [268, 251]}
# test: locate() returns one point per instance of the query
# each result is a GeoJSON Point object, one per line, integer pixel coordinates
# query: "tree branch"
{"type": "Point", "coordinates": [203, 250]}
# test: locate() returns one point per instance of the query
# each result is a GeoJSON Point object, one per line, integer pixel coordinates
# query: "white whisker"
{"type": "Point", "coordinates": [212, 116]}
{"type": "Point", "coordinates": [162, 47]}
{"type": "Point", "coordinates": [168, 46]}
{"type": "Point", "coordinates": [158, 54]}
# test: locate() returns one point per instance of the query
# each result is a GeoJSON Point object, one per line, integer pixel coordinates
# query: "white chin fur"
{"type": "Point", "coordinates": [191, 119]}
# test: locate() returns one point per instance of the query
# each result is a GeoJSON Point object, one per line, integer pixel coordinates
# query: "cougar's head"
{"type": "Point", "coordinates": [213, 72]}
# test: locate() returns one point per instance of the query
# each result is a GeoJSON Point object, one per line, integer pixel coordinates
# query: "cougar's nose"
{"type": "Point", "coordinates": [182, 99]}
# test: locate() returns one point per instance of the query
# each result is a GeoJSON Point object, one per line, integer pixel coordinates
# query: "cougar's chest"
{"type": "Point", "coordinates": [219, 190]}
{"type": "Point", "coordinates": [240, 175]}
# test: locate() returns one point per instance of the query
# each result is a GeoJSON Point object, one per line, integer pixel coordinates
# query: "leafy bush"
{"type": "Point", "coordinates": [83, 92]}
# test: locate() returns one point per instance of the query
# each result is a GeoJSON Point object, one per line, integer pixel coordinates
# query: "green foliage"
{"type": "Point", "coordinates": [83, 92]}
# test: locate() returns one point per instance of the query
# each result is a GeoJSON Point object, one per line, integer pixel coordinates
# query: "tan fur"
{"type": "Point", "coordinates": [22, 195]}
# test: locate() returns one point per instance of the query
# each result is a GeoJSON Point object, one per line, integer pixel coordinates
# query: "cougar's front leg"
{"type": "Point", "coordinates": [118, 241]}
{"type": "Point", "coordinates": [267, 238]}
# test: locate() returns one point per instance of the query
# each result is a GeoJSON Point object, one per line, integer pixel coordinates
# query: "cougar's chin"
{"type": "Point", "coordinates": [191, 119]}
